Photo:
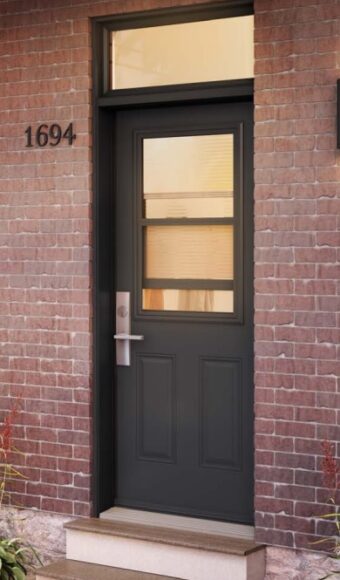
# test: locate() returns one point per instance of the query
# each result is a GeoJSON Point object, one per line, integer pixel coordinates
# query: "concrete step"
{"type": "Point", "coordinates": [72, 570]}
{"type": "Point", "coordinates": [164, 551]}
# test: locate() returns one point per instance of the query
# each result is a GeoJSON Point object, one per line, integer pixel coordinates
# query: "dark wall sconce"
{"type": "Point", "coordinates": [338, 115]}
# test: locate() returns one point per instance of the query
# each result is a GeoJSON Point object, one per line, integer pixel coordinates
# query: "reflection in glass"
{"type": "Point", "coordinates": [189, 177]}
{"type": "Point", "coordinates": [189, 252]}
{"type": "Point", "coordinates": [186, 263]}
{"type": "Point", "coordinates": [205, 51]}
{"type": "Point", "coordinates": [188, 300]}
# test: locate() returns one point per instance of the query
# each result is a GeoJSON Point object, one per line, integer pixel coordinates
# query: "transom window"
{"type": "Point", "coordinates": [204, 51]}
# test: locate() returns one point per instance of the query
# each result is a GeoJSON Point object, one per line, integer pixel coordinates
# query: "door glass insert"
{"type": "Point", "coordinates": [190, 176]}
{"type": "Point", "coordinates": [203, 252]}
{"type": "Point", "coordinates": [188, 223]}
{"type": "Point", "coordinates": [191, 52]}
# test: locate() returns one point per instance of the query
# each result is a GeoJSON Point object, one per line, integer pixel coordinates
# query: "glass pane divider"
{"type": "Point", "coordinates": [188, 284]}
{"type": "Point", "coordinates": [187, 221]}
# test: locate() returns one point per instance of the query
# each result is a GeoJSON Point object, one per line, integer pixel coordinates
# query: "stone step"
{"type": "Point", "coordinates": [164, 551]}
{"type": "Point", "coordinates": [73, 570]}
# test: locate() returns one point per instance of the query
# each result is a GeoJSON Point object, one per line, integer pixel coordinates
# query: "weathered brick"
{"type": "Point", "coordinates": [304, 42]}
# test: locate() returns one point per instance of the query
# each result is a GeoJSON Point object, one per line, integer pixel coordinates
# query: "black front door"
{"type": "Point", "coordinates": [183, 250]}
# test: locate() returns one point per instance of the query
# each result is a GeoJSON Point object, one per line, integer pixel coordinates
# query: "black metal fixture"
{"type": "Point", "coordinates": [338, 115]}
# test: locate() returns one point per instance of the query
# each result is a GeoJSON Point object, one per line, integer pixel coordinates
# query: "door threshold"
{"type": "Point", "coordinates": [230, 530]}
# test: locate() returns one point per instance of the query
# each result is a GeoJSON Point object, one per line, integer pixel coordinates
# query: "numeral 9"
{"type": "Point", "coordinates": [55, 134]}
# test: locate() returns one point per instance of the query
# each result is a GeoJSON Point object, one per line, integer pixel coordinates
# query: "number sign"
{"type": "Point", "coordinates": [49, 135]}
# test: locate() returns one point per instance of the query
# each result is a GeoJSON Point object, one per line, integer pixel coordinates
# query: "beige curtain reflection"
{"type": "Point", "coordinates": [153, 299]}
{"type": "Point", "coordinates": [196, 300]}
{"type": "Point", "coordinates": [188, 300]}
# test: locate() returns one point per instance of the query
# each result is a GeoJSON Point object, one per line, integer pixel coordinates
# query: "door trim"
{"type": "Point", "coordinates": [103, 111]}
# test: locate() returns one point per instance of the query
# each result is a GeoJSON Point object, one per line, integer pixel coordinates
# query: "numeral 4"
{"type": "Point", "coordinates": [69, 135]}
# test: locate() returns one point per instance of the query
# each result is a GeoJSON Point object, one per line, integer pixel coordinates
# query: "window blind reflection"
{"type": "Point", "coordinates": [194, 252]}
{"type": "Point", "coordinates": [191, 176]}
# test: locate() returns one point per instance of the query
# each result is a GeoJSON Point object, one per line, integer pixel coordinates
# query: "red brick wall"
{"type": "Point", "coordinates": [297, 182]}
{"type": "Point", "coordinates": [45, 248]}
{"type": "Point", "coordinates": [45, 229]}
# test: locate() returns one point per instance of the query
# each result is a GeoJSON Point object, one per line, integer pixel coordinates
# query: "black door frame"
{"type": "Point", "coordinates": [105, 103]}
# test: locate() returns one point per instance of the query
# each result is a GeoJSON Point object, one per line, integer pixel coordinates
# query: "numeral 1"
{"type": "Point", "coordinates": [28, 132]}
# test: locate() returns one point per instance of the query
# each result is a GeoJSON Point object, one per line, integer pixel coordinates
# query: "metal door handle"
{"type": "Point", "coordinates": [128, 336]}
{"type": "Point", "coordinates": [123, 336]}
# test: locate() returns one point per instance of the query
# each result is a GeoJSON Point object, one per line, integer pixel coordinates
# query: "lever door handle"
{"type": "Point", "coordinates": [123, 336]}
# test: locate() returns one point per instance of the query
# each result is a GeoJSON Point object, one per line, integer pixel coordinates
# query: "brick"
{"type": "Point", "coordinates": [277, 443]}
{"type": "Point", "coordinates": [56, 505]}
{"type": "Point", "coordinates": [317, 415]}
{"type": "Point", "coordinates": [264, 520]}
{"type": "Point", "coordinates": [316, 351]}
{"type": "Point", "coordinates": [273, 349]}
{"type": "Point", "coordinates": [329, 368]}
{"type": "Point", "coordinates": [274, 537]}
{"type": "Point", "coordinates": [273, 505]}
{"type": "Point", "coordinates": [274, 474]}
{"type": "Point", "coordinates": [308, 510]}
{"type": "Point", "coordinates": [315, 383]}
{"type": "Point", "coordinates": [295, 334]}
{"type": "Point", "coordinates": [330, 400]}
{"type": "Point", "coordinates": [315, 287]}
{"type": "Point", "coordinates": [315, 319]}
{"type": "Point", "coordinates": [303, 477]}
{"type": "Point", "coordinates": [298, 524]}
{"type": "Point", "coordinates": [295, 460]}
{"type": "Point", "coordinates": [292, 366]}
{"type": "Point", "coordinates": [264, 426]}
{"type": "Point", "coordinates": [274, 411]}
{"type": "Point", "coordinates": [297, 302]}
{"type": "Point", "coordinates": [295, 271]}
{"type": "Point", "coordinates": [264, 457]}
{"type": "Point", "coordinates": [82, 509]}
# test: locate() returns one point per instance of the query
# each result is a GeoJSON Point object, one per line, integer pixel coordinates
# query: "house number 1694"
{"type": "Point", "coordinates": [49, 135]}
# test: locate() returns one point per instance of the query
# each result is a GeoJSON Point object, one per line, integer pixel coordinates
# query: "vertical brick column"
{"type": "Point", "coordinates": [45, 229]}
{"type": "Point", "coordinates": [296, 242]}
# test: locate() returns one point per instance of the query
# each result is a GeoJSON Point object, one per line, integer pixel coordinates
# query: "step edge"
{"type": "Point", "coordinates": [55, 575]}
{"type": "Point", "coordinates": [157, 534]}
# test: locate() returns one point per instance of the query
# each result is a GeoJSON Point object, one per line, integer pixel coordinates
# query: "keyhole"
{"type": "Point", "coordinates": [122, 311]}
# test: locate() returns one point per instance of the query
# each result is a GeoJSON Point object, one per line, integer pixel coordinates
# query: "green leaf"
{"type": "Point", "coordinates": [18, 574]}
{"type": "Point", "coordinates": [9, 558]}
{"type": "Point", "coordinates": [2, 552]}
{"type": "Point", "coordinates": [21, 551]}
{"type": "Point", "coordinates": [14, 541]}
